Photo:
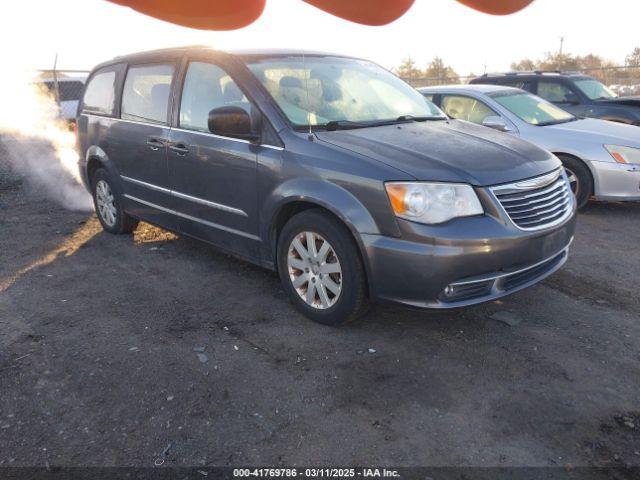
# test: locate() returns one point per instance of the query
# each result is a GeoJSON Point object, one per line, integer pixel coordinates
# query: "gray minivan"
{"type": "Point", "coordinates": [326, 168]}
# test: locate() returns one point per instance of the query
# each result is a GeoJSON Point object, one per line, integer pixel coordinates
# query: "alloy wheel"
{"type": "Point", "coordinates": [314, 270]}
{"type": "Point", "coordinates": [573, 181]}
{"type": "Point", "coordinates": [106, 203]}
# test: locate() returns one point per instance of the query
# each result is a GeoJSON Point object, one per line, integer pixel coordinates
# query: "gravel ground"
{"type": "Point", "coordinates": [114, 347]}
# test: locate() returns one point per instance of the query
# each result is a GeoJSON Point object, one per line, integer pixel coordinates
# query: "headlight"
{"type": "Point", "coordinates": [624, 154]}
{"type": "Point", "coordinates": [433, 202]}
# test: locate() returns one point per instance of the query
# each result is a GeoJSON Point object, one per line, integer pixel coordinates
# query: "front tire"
{"type": "Point", "coordinates": [579, 179]}
{"type": "Point", "coordinates": [108, 205]}
{"type": "Point", "coordinates": [320, 268]}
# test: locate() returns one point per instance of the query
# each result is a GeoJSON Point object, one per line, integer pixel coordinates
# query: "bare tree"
{"type": "Point", "coordinates": [633, 59]}
{"type": "Point", "coordinates": [437, 69]}
{"type": "Point", "coordinates": [408, 69]}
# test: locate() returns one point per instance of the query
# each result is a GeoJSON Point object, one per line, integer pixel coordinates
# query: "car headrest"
{"type": "Point", "coordinates": [290, 82]}
{"type": "Point", "coordinates": [331, 91]}
{"type": "Point", "coordinates": [232, 93]}
{"type": "Point", "coordinates": [160, 93]}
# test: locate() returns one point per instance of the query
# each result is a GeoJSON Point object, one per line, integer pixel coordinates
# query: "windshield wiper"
{"type": "Point", "coordinates": [557, 122]}
{"type": "Point", "coordinates": [348, 124]}
{"type": "Point", "coordinates": [344, 125]}
{"type": "Point", "coordinates": [405, 118]}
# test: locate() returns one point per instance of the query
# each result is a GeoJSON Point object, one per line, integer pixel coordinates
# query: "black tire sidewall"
{"type": "Point", "coordinates": [119, 226]}
{"type": "Point", "coordinates": [349, 304]}
{"type": "Point", "coordinates": [585, 183]}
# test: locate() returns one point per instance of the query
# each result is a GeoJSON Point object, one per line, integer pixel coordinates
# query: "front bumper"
{"type": "Point", "coordinates": [463, 262]}
{"type": "Point", "coordinates": [616, 181]}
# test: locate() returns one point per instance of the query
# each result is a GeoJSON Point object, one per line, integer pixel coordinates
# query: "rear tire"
{"type": "Point", "coordinates": [108, 205]}
{"type": "Point", "coordinates": [319, 254]}
{"type": "Point", "coordinates": [579, 179]}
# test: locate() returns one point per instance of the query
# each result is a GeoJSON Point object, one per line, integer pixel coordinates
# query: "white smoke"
{"type": "Point", "coordinates": [38, 145]}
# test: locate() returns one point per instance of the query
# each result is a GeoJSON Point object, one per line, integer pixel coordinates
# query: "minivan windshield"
{"type": "Point", "coordinates": [593, 89]}
{"type": "Point", "coordinates": [333, 91]}
{"type": "Point", "coordinates": [532, 109]}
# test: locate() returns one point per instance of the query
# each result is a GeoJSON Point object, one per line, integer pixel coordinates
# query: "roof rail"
{"type": "Point", "coordinates": [525, 72]}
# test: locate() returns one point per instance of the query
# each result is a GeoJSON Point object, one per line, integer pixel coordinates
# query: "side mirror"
{"type": "Point", "coordinates": [496, 122]}
{"type": "Point", "coordinates": [232, 121]}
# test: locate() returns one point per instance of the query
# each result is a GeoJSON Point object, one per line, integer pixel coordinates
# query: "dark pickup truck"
{"type": "Point", "coordinates": [577, 93]}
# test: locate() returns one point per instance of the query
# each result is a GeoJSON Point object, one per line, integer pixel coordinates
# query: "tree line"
{"type": "Point", "coordinates": [595, 65]}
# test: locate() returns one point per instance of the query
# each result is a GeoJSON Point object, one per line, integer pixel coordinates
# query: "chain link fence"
{"type": "Point", "coordinates": [66, 87]}
{"type": "Point", "coordinates": [625, 81]}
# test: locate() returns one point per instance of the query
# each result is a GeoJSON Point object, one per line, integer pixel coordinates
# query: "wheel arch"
{"type": "Point", "coordinates": [297, 195]}
{"type": "Point", "coordinates": [294, 207]}
{"type": "Point", "coordinates": [96, 158]}
{"type": "Point", "coordinates": [594, 178]}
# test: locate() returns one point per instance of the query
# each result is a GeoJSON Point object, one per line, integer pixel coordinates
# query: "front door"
{"type": "Point", "coordinates": [213, 178]}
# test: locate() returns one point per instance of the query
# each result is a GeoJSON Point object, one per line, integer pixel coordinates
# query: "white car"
{"type": "Point", "coordinates": [602, 158]}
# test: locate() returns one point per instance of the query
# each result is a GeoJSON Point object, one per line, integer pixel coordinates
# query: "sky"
{"type": "Point", "coordinates": [86, 32]}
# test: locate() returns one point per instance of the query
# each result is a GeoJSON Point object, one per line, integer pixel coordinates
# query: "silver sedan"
{"type": "Point", "coordinates": [602, 158]}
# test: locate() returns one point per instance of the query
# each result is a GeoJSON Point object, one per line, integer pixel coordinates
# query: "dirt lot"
{"type": "Point", "coordinates": [113, 348]}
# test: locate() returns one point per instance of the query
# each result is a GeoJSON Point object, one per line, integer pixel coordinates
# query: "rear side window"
{"type": "Point", "coordinates": [466, 108]}
{"type": "Point", "coordinates": [100, 94]}
{"type": "Point", "coordinates": [146, 93]}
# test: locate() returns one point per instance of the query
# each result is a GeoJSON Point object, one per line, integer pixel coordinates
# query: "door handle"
{"type": "Point", "coordinates": [155, 143]}
{"type": "Point", "coordinates": [179, 148]}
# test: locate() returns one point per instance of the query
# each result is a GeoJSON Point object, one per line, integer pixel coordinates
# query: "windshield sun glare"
{"type": "Point", "coordinates": [533, 110]}
{"type": "Point", "coordinates": [316, 91]}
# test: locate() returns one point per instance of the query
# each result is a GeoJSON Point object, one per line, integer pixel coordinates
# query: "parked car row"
{"type": "Point", "coordinates": [602, 158]}
{"type": "Point", "coordinates": [337, 174]}
{"type": "Point", "coordinates": [574, 92]}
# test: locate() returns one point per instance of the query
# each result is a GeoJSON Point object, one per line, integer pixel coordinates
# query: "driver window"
{"type": "Point", "coordinates": [555, 92]}
{"type": "Point", "coordinates": [466, 108]}
{"type": "Point", "coordinates": [207, 86]}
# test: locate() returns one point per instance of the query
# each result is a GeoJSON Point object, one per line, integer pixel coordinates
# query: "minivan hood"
{"type": "Point", "coordinates": [447, 151]}
{"type": "Point", "coordinates": [599, 131]}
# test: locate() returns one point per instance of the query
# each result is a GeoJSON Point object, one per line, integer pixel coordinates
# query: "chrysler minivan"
{"type": "Point", "coordinates": [328, 169]}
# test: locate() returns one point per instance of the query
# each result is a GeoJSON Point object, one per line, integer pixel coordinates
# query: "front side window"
{"type": "Point", "coordinates": [146, 93]}
{"type": "Point", "coordinates": [532, 109]}
{"type": "Point", "coordinates": [100, 94]}
{"type": "Point", "coordinates": [466, 108]}
{"type": "Point", "coordinates": [314, 91]}
{"type": "Point", "coordinates": [556, 92]}
{"type": "Point", "coordinates": [207, 86]}
{"type": "Point", "coordinates": [593, 89]}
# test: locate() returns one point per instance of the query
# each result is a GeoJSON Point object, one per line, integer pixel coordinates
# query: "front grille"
{"type": "Point", "coordinates": [537, 203]}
